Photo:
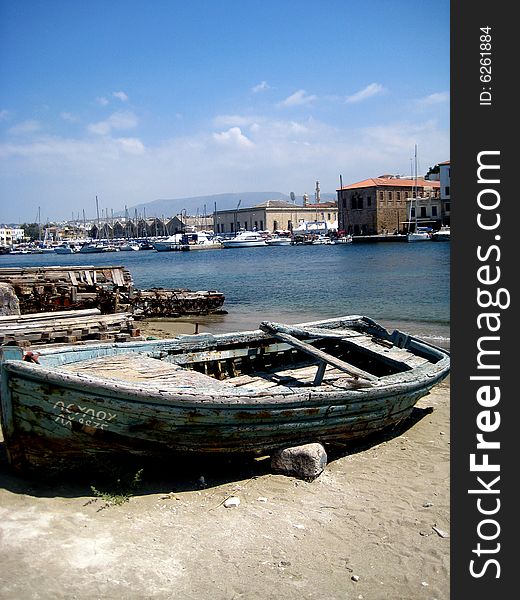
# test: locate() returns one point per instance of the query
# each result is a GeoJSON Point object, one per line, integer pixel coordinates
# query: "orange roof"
{"type": "Point", "coordinates": [446, 162]}
{"type": "Point", "coordinates": [390, 181]}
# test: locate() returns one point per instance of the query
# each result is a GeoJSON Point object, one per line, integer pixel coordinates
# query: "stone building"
{"type": "Point", "coordinates": [274, 215]}
{"type": "Point", "coordinates": [382, 204]}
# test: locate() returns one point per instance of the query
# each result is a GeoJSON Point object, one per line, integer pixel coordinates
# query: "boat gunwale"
{"type": "Point", "coordinates": [415, 378]}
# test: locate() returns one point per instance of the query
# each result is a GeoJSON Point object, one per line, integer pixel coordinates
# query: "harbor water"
{"type": "Point", "coordinates": [404, 286]}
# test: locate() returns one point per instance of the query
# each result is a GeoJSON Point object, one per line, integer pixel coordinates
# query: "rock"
{"type": "Point", "coordinates": [9, 304]}
{"type": "Point", "coordinates": [355, 578]}
{"type": "Point", "coordinates": [306, 462]}
{"type": "Point", "coordinates": [232, 502]}
{"type": "Point", "coordinates": [440, 532]}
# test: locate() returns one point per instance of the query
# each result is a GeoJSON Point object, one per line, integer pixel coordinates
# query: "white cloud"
{"type": "Point", "coordinates": [121, 95]}
{"type": "Point", "coordinates": [71, 118]}
{"type": "Point", "coordinates": [367, 92]}
{"type": "Point", "coordinates": [299, 98]}
{"type": "Point", "coordinates": [131, 145]}
{"type": "Point", "coordinates": [25, 128]}
{"type": "Point", "coordinates": [233, 137]}
{"type": "Point", "coordinates": [261, 87]}
{"type": "Point", "coordinates": [64, 174]}
{"type": "Point", "coordinates": [102, 101]}
{"type": "Point", "coordinates": [117, 121]}
{"type": "Point", "coordinates": [433, 99]}
{"type": "Point", "coordinates": [235, 120]}
{"type": "Point", "coordinates": [4, 115]}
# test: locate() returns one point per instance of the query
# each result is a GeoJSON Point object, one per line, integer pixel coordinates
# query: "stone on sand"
{"type": "Point", "coordinates": [306, 462]}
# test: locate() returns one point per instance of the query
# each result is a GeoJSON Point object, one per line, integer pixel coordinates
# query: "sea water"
{"type": "Point", "coordinates": [404, 286]}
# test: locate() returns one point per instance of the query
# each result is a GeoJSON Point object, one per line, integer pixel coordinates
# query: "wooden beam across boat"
{"type": "Point", "coordinates": [275, 330]}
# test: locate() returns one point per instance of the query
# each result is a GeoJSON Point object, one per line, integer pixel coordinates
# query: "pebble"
{"type": "Point", "coordinates": [427, 504]}
{"type": "Point", "coordinates": [262, 499]}
{"type": "Point", "coordinates": [232, 502]}
{"type": "Point", "coordinates": [355, 578]}
{"type": "Point", "coordinates": [440, 532]}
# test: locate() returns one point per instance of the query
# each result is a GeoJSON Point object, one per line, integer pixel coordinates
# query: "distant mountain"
{"type": "Point", "coordinates": [206, 204]}
{"type": "Point", "coordinates": [171, 207]}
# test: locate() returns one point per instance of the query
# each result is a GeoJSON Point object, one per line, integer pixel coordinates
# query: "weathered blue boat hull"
{"type": "Point", "coordinates": [52, 416]}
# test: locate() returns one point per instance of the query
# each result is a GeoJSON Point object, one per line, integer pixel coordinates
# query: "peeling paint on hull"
{"type": "Point", "coordinates": [153, 403]}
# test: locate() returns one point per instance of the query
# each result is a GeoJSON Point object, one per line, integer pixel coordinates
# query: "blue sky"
{"type": "Point", "coordinates": [143, 99]}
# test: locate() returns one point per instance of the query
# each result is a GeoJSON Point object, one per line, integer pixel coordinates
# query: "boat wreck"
{"type": "Point", "coordinates": [259, 391]}
{"type": "Point", "coordinates": [109, 288]}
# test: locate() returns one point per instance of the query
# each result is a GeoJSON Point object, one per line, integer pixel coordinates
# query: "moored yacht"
{"type": "Point", "coordinates": [245, 239]}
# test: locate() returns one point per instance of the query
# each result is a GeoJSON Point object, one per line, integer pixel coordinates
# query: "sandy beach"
{"type": "Point", "coordinates": [374, 526]}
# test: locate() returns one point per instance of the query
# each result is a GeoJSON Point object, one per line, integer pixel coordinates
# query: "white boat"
{"type": "Point", "coordinates": [322, 239]}
{"type": "Point", "coordinates": [345, 239]}
{"type": "Point", "coordinates": [65, 249]}
{"type": "Point", "coordinates": [245, 239]}
{"type": "Point", "coordinates": [443, 235]}
{"type": "Point", "coordinates": [200, 241]}
{"type": "Point", "coordinates": [418, 236]}
{"type": "Point", "coordinates": [173, 242]}
{"type": "Point", "coordinates": [44, 250]}
{"type": "Point", "coordinates": [130, 247]}
{"type": "Point", "coordinates": [279, 240]}
{"type": "Point", "coordinates": [97, 247]}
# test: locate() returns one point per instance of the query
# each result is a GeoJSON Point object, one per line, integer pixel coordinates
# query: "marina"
{"type": "Point", "coordinates": [298, 283]}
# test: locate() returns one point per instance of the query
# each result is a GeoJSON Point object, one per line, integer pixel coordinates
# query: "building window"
{"type": "Point", "coordinates": [262, 225]}
{"type": "Point", "coordinates": [289, 225]}
{"type": "Point", "coordinates": [369, 201]}
{"type": "Point", "coordinates": [275, 225]}
{"type": "Point", "coordinates": [398, 195]}
{"type": "Point", "coordinates": [447, 207]}
{"type": "Point", "coordinates": [423, 211]}
{"type": "Point", "coordinates": [353, 203]}
{"type": "Point", "coordinates": [447, 190]}
{"type": "Point", "coordinates": [381, 196]}
{"type": "Point", "coordinates": [360, 203]}
{"type": "Point", "coordinates": [390, 195]}
{"type": "Point", "coordinates": [412, 212]}
{"type": "Point", "coordinates": [434, 211]}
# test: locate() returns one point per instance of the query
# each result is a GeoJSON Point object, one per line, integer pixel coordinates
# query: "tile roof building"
{"type": "Point", "coordinates": [382, 205]}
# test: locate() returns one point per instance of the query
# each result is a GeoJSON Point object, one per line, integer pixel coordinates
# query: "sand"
{"type": "Point", "coordinates": [364, 529]}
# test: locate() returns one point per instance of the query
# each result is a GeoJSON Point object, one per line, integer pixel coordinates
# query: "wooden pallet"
{"type": "Point", "coordinates": [67, 327]}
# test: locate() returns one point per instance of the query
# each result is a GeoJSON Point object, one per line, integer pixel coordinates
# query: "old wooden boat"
{"type": "Point", "coordinates": [251, 392]}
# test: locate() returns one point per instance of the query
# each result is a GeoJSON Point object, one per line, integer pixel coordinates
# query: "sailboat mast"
{"type": "Point", "coordinates": [97, 212]}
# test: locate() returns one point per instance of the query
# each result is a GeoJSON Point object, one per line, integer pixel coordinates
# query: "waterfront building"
{"type": "Point", "coordinates": [10, 235]}
{"type": "Point", "coordinates": [275, 215]}
{"type": "Point", "coordinates": [383, 205]}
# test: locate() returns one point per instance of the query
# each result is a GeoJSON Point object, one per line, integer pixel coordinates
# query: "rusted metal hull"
{"type": "Point", "coordinates": [63, 411]}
